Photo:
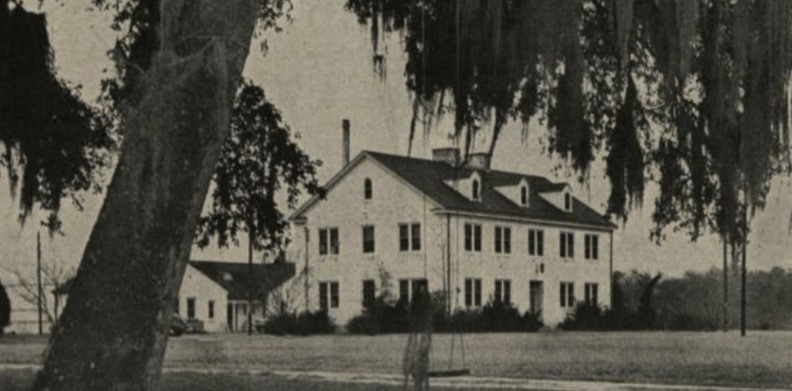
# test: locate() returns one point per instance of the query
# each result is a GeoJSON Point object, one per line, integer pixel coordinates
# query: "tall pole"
{"type": "Point", "coordinates": [610, 268]}
{"type": "Point", "coordinates": [38, 279]}
{"type": "Point", "coordinates": [250, 279]}
{"type": "Point", "coordinates": [447, 282]}
{"type": "Point", "coordinates": [305, 271]}
{"type": "Point", "coordinates": [725, 310]}
{"type": "Point", "coordinates": [744, 252]}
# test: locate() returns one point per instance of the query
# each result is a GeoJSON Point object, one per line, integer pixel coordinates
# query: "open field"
{"type": "Point", "coordinates": [760, 359]}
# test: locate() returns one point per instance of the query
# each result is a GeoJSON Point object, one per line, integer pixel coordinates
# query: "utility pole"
{"type": "Point", "coordinates": [744, 256]}
{"type": "Point", "coordinates": [38, 282]}
{"type": "Point", "coordinates": [250, 278]}
{"type": "Point", "coordinates": [725, 310]}
{"type": "Point", "coordinates": [306, 269]}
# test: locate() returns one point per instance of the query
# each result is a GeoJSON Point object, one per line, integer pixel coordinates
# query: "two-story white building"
{"type": "Point", "coordinates": [393, 223]}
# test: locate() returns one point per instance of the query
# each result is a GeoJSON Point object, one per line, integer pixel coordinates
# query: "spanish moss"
{"type": "Point", "coordinates": [714, 72]}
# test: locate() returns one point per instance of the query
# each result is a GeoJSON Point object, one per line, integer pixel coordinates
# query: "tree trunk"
{"type": "Point", "coordinates": [113, 331]}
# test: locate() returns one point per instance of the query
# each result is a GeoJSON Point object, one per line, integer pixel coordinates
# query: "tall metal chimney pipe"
{"type": "Point", "coordinates": [345, 126]}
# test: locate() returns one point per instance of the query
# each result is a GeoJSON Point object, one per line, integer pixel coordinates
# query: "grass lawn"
{"type": "Point", "coordinates": [760, 359]}
{"type": "Point", "coordinates": [21, 380]}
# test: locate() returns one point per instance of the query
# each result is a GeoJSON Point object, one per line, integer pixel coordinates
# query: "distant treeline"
{"type": "Point", "coordinates": [691, 302]}
{"type": "Point", "coordinates": [699, 296]}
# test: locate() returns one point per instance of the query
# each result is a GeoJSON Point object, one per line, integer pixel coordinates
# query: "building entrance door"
{"type": "Point", "coordinates": [536, 292]}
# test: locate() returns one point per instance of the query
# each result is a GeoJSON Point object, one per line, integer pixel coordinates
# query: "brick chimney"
{"type": "Point", "coordinates": [478, 161]}
{"type": "Point", "coordinates": [345, 126]}
{"type": "Point", "coordinates": [446, 155]}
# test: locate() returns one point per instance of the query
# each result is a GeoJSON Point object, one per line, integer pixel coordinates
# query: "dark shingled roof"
{"type": "Point", "coordinates": [233, 277]}
{"type": "Point", "coordinates": [429, 176]}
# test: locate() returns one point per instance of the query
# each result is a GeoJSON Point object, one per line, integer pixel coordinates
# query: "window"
{"type": "Point", "coordinates": [536, 242]}
{"type": "Point", "coordinates": [404, 237]}
{"type": "Point", "coordinates": [190, 307]}
{"type": "Point", "coordinates": [476, 193]}
{"type": "Point", "coordinates": [408, 288]}
{"type": "Point", "coordinates": [524, 196]}
{"type": "Point", "coordinates": [323, 236]}
{"type": "Point", "coordinates": [592, 246]}
{"type": "Point", "coordinates": [328, 295]}
{"type": "Point", "coordinates": [567, 294]}
{"type": "Point", "coordinates": [368, 239]}
{"type": "Point", "coordinates": [468, 237]}
{"type": "Point", "coordinates": [567, 245]}
{"type": "Point", "coordinates": [369, 293]}
{"type": "Point", "coordinates": [503, 291]}
{"type": "Point", "coordinates": [498, 240]}
{"type": "Point", "coordinates": [473, 292]}
{"type": "Point", "coordinates": [415, 229]}
{"type": "Point", "coordinates": [334, 299]}
{"type": "Point", "coordinates": [324, 303]}
{"type": "Point", "coordinates": [567, 202]}
{"type": "Point", "coordinates": [367, 191]}
{"type": "Point", "coordinates": [410, 237]}
{"type": "Point", "coordinates": [328, 241]}
{"type": "Point", "coordinates": [472, 237]}
{"type": "Point", "coordinates": [592, 293]}
{"type": "Point", "coordinates": [334, 241]}
{"type": "Point", "coordinates": [502, 240]}
{"type": "Point", "coordinates": [210, 309]}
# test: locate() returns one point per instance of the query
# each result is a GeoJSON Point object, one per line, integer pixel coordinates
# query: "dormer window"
{"type": "Point", "coordinates": [475, 195]}
{"type": "Point", "coordinates": [524, 196]}
{"type": "Point", "coordinates": [560, 196]}
{"type": "Point", "coordinates": [367, 190]}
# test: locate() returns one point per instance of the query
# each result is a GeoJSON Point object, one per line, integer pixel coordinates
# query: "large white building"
{"type": "Point", "coordinates": [393, 223]}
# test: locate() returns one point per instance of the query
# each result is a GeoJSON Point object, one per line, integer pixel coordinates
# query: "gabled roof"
{"type": "Point", "coordinates": [429, 177]}
{"type": "Point", "coordinates": [234, 277]}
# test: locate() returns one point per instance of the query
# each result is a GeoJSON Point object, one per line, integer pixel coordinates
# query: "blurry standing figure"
{"type": "Point", "coordinates": [419, 342]}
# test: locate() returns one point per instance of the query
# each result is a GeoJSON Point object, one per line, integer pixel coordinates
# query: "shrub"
{"type": "Point", "coordinates": [532, 321]}
{"type": "Point", "coordinates": [495, 316]}
{"type": "Point", "coordinates": [317, 322]}
{"type": "Point", "coordinates": [586, 317]}
{"type": "Point", "coordinates": [381, 317]}
{"type": "Point", "coordinates": [365, 323]}
{"type": "Point", "coordinates": [305, 323]}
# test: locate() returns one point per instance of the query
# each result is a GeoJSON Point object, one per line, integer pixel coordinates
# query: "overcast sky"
{"type": "Point", "coordinates": [318, 71]}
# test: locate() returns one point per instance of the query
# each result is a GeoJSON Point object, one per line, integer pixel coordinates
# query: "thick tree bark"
{"type": "Point", "coordinates": [113, 331]}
